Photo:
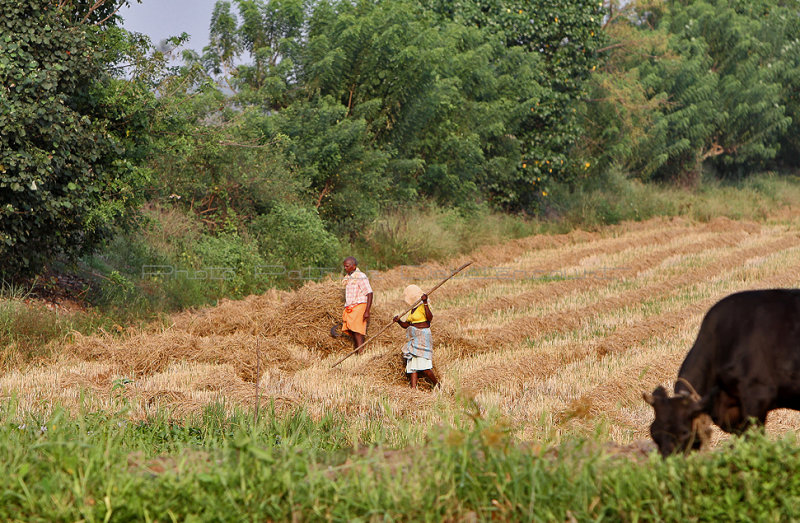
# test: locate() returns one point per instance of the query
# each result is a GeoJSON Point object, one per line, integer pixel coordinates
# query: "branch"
{"type": "Point", "coordinates": [612, 46]}
{"type": "Point", "coordinates": [611, 18]}
{"type": "Point", "coordinates": [249, 146]}
{"type": "Point", "coordinates": [104, 20]}
{"type": "Point", "coordinates": [715, 150]}
{"type": "Point", "coordinates": [325, 191]}
{"type": "Point", "coordinates": [350, 100]}
{"type": "Point", "coordinates": [92, 10]}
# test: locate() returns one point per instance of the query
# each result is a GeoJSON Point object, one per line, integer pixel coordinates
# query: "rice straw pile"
{"type": "Point", "coordinates": [304, 317]}
{"type": "Point", "coordinates": [144, 354]}
{"type": "Point", "coordinates": [291, 331]}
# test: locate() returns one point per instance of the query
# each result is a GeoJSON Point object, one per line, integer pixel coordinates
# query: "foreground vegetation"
{"type": "Point", "coordinates": [97, 467]}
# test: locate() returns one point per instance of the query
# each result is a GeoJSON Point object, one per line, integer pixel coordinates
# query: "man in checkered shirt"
{"type": "Point", "coordinates": [357, 302]}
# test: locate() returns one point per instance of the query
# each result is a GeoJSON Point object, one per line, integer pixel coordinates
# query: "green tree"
{"type": "Point", "coordinates": [621, 107]}
{"type": "Point", "coordinates": [682, 128]}
{"type": "Point", "coordinates": [224, 44]}
{"type": "Point", "coordinates": [779, 28]}
{"type": "Point", "coordinates": [265, 32]}
{"type": "Point", "coordinates": [694, 82]}
{"type": "Point", "coordinates": [566, 35]}
{"type": "Point", "coordinates": [294, 237]}
{"type": "Point", "coordinates": [212, 157]}
{"type": "Point", "coordinates": [66, 151]}
{"type": "Point", "coordinates": [751, 116]}
{"type": "Point", "coordinates": [332, 151]}
{"type": "Point", "coordinates": [437, 108]}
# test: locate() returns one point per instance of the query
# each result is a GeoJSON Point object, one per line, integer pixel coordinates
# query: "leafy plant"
{"type": "Point", "coordinates": [65, 176]}
{"type": "Point", "coordinates": [294, 237]}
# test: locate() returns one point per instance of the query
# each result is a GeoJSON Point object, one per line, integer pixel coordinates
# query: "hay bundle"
{"type": "Point", "coordinates": [146, 354]}
{"type": "Point", "coordinates": [304, 316]}
{"type": "Point", "coordinates": [383, 366]}
{"type": "Point", "coordinates": [308, 314]}
{"type": "Point", "coordinates": [232, 316]}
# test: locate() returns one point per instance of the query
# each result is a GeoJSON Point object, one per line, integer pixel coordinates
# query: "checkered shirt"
{"type": "Point", "coordinates": [356, 288]}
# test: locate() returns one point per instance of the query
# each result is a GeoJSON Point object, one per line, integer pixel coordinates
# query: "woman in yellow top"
{"type": "Point", "coordinates": [418, 350]}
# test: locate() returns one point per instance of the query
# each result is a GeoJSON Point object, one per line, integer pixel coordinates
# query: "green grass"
{"type": "Point", "coordinates": [615, 199]}
{"type": "Point", "coordinates": [430, 233]}
{"type": "Point", "coordinates": [97, 467]}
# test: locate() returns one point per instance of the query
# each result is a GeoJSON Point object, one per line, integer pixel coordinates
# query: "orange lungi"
{"type": "Point", "coordinates": [353, 318]}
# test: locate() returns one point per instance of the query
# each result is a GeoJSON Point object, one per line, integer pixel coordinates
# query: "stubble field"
{"type": "Point", "coordinates": [560, 334]}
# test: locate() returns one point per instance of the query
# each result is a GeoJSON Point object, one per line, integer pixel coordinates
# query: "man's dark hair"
{"type": "Point", "coordinates": [352, 259]}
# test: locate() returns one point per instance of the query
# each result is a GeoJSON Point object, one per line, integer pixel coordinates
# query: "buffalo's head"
{"type": "Point", "coordinates": [680, 424]}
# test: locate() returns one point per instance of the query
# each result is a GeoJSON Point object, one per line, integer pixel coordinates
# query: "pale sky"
{"type": "Point", "coordinates": [160, 19]}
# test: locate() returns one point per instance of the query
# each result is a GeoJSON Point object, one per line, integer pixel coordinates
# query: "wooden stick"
{"type": "Point", "coordinates": [403, 313]}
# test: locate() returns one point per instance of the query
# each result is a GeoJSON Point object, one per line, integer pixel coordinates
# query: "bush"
{"type": "Point", "coordinates": [294, 237]}
{"type": "Point", "coordinates": [229, 262]}
{"type": "Point", "coordinates": [426, 232]}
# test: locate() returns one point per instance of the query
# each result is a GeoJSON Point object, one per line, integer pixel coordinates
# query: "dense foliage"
{"type": "Point", "coordinates": [409, 98]}
{"type": "Point", "coordinates": [688, 84]}
{"type": "Point", "coordinates": [66, 155]}
{"type": "Point", "coordinates": [565, 37]}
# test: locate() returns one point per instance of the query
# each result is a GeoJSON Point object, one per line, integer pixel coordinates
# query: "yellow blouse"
{"type": "Point", "coordinates": [417, 315]}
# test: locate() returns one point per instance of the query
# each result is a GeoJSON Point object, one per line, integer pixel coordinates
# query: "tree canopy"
{"type": "Point", "coordinates": [66, 151]}
{"type": "Point", "coordinates": [709, 82]}
{"type": "Point", "coordinates": [458, 104]}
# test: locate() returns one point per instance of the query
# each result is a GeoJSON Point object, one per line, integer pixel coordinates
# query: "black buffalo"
{"type": "Point", "coordinates": [744, 363]}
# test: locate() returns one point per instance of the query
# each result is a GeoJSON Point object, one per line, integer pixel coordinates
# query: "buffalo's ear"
{"type": "Point", "coordinates": [659, 393]}
{"type": "Point", "coordinates": [695, 409]}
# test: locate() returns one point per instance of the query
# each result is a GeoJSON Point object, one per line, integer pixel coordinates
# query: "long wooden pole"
{"type": "Point", "coordinates": [403, 313]}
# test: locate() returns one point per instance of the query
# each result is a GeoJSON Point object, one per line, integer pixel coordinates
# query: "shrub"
{"type": "Point", "coordinates": [229, 263]}
{"type": "Point", "coordinates": [294, 237]}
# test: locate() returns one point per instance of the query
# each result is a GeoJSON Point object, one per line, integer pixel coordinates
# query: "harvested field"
{"type": "Point", "coordinates": [560, 333]}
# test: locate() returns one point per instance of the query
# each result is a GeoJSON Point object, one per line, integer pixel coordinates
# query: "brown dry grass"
{"type": "Point", "coordinates": [555, 355]}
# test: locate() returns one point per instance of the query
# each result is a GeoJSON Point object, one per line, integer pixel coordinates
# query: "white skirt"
{"type": "Point", "coordinates": [416, 363]}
